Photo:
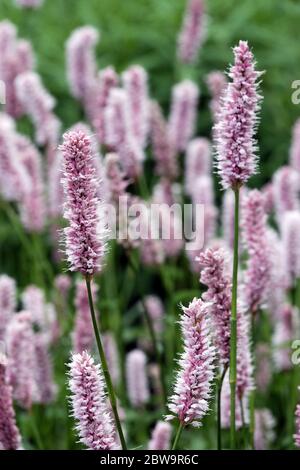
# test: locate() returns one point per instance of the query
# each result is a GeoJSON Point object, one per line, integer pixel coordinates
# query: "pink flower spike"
{"type": "Point", "coordinates": [197, 163]}
{"type": "Point", "coordinates": [284, 333]}
{"type": "Point", "coordinates": [285, 191]}
{"type": "Point", "coordinates": [291, 246]}
{"type": "Point", "coordinates": [216, 275]}
{"type": "Point", "coordinates": [254, 231]}
{"type": "Point", "coordinates": [63, 284]}
{"type": "Point", "coordinates": [33, 204]}
{"type": "Point", "coordinates": [8, 302]}
{"type": "Point", "coordinates": [166, 164]}
{"type": "Point", "coordinates": [135, 83]}
{"type": "Point", "coordinates": [38, 104]}
{"type": "Point", "coordinates": [192, 390]}
{"type": "Point", "coordinates": [89, 404]}
{"type": "Point", "coordinates": [107, 79]}
{"type": "Point", "coordinates": [10, 438]}
{"type": "Point", "coordinates": [81, 64]}
{"type": "Point", "coordinates": [136, 378]}
{"type": "Point", "coordinates": [161, 436]}
{"type": "Point", "coordinates": [156, 312]}
{"type": "Point", "coordinates": [193, 32]}
{"type": "Point", "coordinates": [21, 358]}
{"type": "Point", "coordinates": [264, 429]}
{"type": "Point", "coordinates": [216, 82]}
{"type": "Point", "coordinates": [43, 373]}
{"type": "Point", "coordinates": [182, 118]}
{"type": "Point", "coordinates": [236, 126]}
{"type": "Point", "coordinates": [14, 179]}
{"type": "Point", "coordinates": [85, 245]}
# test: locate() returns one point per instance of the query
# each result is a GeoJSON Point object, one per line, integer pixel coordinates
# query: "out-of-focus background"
{"type": "Point", "coordinates": [145, 31]}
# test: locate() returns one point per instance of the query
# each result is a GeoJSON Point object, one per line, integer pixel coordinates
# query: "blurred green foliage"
{"type": "Point", "coordinates": [145, 31]}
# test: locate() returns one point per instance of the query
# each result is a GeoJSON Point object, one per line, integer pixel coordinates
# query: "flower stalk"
{"type": "Point", "coordinates": [107, 377]}
{"type": "Point", "coordinates": [233, 322]}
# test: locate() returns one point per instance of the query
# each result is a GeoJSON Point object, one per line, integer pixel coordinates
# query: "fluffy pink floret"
{"type": "Point", "coordinates": [235, 129]}
{"type": "Point", "coordinates": [192, 390]}
{"type": "Point", "coordinates": [89, 404]}
{"type": "Point", "coordinates": [85, 245]}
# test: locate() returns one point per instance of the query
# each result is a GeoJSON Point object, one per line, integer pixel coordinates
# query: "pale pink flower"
{"type": "Point", "coordinates": [14, 179]}
{"type": "Point", "coordinates": [33, 204]}
{"type": "Point", "coordinates": [33, 300]}
{"type": "Point", "coordinates": [21, 358]}
{"type": "Point", "coordinates": [135, 83]}
{"type": "Point", "coordinates": [291, 245]}
{"type": "Point", "coordinates": [10, 438]}
{"type": "Point", "coordinates": [85, 245]}
{"type": "Point", "coordinates": [8, 302]}
{"type": "Point", "coordinates": [166, 164]}
{"type": "Point", "coordinates": [63, 284]}
{"type": "Point", "coordinates": [216, 275]}
{"type": "Point", "coordinates": [156, 311]}
{"type": "Point", "coordinates": [38, 104]}
{"type": "Point", "coordinates": [136, 378]}
{"type": "Point", "coordinates": [192, 33]}
{"type": "Point", "coordinates": [107, 79]}
{"type": "Point", "coordinates": [16, 57]}
{"type": "Point", "coordinates": [182, 119]}
{"type": "Point", "coordinates": [118, 119]}
{"type": "Point", "coordinates": [216, 82]}
{"type": "Point", "coordinates": [81, 63]}
{"type": "Point", "coordinates": [193, 385]}
{"type": "Point", "coordinates": [268, 192]}
{"type": "Point", "coordinates": [236, 126]}
{"type": "Point", "coordinates": [254, 232]}
{"type": "Point", "coordinates": [89, 404]}
{"type": "Point", "coordinates": [264, 429]}
{"type": "Point", "coordinates": [43, 371]}
{"type": "Point", "coordinates": [263, 370]}
{"type": "Point", "coordinates": [161, 436]}
{"type": "Point", "coordinates": [284, 333]}
{"type": "Point", "coordinates": [116, 178]}
{"type": "Point", "coordinates": [285, 191]}
{"type": "Point", "coordinates": [197, 162]}
{"type": "Point", "coordinates": [279, 279]}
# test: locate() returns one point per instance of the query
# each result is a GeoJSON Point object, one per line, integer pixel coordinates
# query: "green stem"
{"type": "Point", "coordinates": [219, 407]}
{"type": "Point", "coordinates": [107, 377]}
{"type": "Point", "coordinates": [177, 437]}
{"type": "Point", "coordinates": [233, 322]}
